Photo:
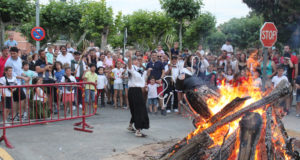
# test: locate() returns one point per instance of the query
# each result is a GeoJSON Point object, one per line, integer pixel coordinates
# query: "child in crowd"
{"type": "Point", "coordinates": [39, 106]}
{"type": "Point", "coordinates": [68, 92]}
{"type": "Point", "coordinates": [220, 79]}
{"type": "Point", "coordinates": [90, 76]}
{"type": "Point", "coordinates": [28, 73]}
{"type": "Point", "coordinates": [118, 84]}
{"type": "Point", "coordinates": [152, 95]}
{"type": "Point", "coordinates": [101, 85]}
{"type": "Point", "coordinates": [109, 86]}
{"type": "Point", "coordinates": [59, 72]}
{"type": "Point", "coordinates": [229, 76]}
{"type": "Point", "coordinates": [256, 79]}
{"type": "Point", "coordinates": [8, 80]}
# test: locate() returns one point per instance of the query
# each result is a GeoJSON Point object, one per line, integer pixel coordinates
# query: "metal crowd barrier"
{"type": "Point", "coordinates": [51, 104]}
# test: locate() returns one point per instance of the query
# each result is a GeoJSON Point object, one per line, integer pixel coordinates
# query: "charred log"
{"type": "Point", "coordinates": [228, 108]}
{"type": "Point", "coordinates": [281, 90]}
{"type": "Point", "coordinates": [198, 104]}
{"type": "Point", "coordinates": [250, 127]}
{"type": "Point", "coordinates": [268, 136]}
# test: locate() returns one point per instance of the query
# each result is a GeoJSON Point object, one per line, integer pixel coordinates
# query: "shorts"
{"type": "Point", "coordinates": [8, 102]}
{"type": "Point", "coordinates": [68, 97]}
{"type": "Point", "coordinates": [160, 89]}
{"type": "Point", "coordinates": [19, 94]}
{"type": "Point", "coordinates": [125, 86]}
{"type": "Point", "coordinates": [152, 101]}
{"type": "Point", "coordinates": [89, 93]}
{"type": "Point", "coordinates": [298, 98]}
{"type": "Point", "coordinates": [118, 86]}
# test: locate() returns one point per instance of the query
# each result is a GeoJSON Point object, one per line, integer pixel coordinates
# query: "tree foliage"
{"type": "Point", "coordinates": [97, 18]}
{"type": "Point", "coordinates": [244, 32]}
{"type": "Point", "coordinates": [199, 29]}
{"type": "Point", "coordinates": [181, 10]}
{"type": "Point", "coordinates": [285, 15]}
{"type": "Point", "coordinates": [116, 36]}
{"type": "Point", "coordinates": [59, 19]}
{"type": "Point", "coordinates": [147, 29]}
{"type": "Point", "coordinates": [215, 40]}
{"type": "Point", "coordinates": [14, 12]}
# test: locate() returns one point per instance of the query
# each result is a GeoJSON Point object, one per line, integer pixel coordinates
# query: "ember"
{"type": "Point", "coordinates": [238, 123]}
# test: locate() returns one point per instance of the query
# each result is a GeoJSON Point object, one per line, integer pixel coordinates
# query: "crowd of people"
{"type": "Point", "coordinates": [161, 71]}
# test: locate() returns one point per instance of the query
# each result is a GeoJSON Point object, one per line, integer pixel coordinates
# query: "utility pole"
{"type": "Point", "coordinates": [37, 20]}
{"type": "Point", "coordinates": [125, 41]}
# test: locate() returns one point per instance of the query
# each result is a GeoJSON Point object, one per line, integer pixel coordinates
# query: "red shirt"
{"type": "Point", "coordinates": [294, 60]}
{"type": "Point", "coordinates": [2, 65]}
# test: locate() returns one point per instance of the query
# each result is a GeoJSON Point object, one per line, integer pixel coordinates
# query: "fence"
{"type": "Point", "coordinates": [26, 105]}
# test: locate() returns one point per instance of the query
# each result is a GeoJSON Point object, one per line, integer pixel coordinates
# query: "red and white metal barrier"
{"type": "Point", "coordinates": [47, 103]}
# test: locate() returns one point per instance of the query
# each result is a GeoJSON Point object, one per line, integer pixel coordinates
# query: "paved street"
{"type": "Point", "coordinates": [60, 142]}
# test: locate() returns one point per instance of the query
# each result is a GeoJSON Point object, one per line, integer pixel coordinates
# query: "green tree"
{"type": "Point", "coordinates": [244, 32]}
{"type": "Point", "coordinates": [214, 41]}
{"type": "Point", "coordinates": [13, 12]}
{"type": "Point", "coordinates": [199, 29]}
{"type": "Point", "coordinates": [97, 19]}
{"type": "Point", "coordinates": [147, 29]}
{"type": "Point", "coordinates": [60, 20]}
{"type": "Point", "coordinates": [115, 38]}
{"type": "Point", "coordinates": [181, 10]}
{"type": "Point", "coordinates": [285, 15]}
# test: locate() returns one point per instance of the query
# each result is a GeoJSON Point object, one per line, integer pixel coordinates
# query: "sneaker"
{"type": "Point", "coordinates": [7, 123]}
{"type": "Point", "coordinates": [17, 117]}
{"type": "Point", "coordinates": [24, 117]}
{"type": "Point", "coordinates": [298, 115]}
{"type": "Point", "coordinates": [74, 108]}
{"type": "Point", "coordinates": [130, 128]}
{"type": "Point", "coordinates": [168, 111]}
{"type": "Point", "coordinates": [124, 107]}
{"type": "Point", "coordinates": [80, 105]}
{"type": "Point", "coordinates": [176, 110]}
{"type": "Point", "coordinates": [139, 134]}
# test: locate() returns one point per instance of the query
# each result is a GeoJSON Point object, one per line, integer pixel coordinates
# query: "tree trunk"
{"type": "Point", "coordinates": [2, 33]}
{"type": "Point", "coordinates": [104, 38]}
{"type": "Point", "coordinates": [180, 35]}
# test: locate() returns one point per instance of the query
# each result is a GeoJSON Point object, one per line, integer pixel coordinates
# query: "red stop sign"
{"type": "Point", "coordinates": [268, 34]}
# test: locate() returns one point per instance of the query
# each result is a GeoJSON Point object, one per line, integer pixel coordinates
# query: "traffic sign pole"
{"type": "Point", "coordinates": [268, 37]}
{"type": "Point", "coordinates": [265, 56]}
{"type": "Point", "coordinates": [37, 21]}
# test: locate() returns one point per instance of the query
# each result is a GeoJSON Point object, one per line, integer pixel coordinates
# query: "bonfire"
{"type": "Point", "coordinates": [235, 123]}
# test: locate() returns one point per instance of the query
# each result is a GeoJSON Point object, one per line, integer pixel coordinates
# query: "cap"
{"type": "Point", "coordinates": [77, 53]}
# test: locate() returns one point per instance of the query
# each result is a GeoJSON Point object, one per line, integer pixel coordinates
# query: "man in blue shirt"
{"type": "Point", "coordinates": [175, 50]}
{"type": "Point", "coordinates": [156, 69]}
{"type": "Point", "coordinates": [11, 42]}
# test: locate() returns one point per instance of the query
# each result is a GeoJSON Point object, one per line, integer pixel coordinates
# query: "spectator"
{"type": "Point", "coordinates": [28, 73]}
{"type": "Point", "coordinates": [200, 49]}
{"type": "Point", "coordinates": [32, 61]}
{"type": "Point", "coordinates": [242, 63]}
{"type": "Point", "coordinates": [222, 61]}
{"type": "Point", "coordinates": [90, 76]}
{"type": "Point", "coordinates": [39, 107]}
{"type": "Point", "coordinates": [50, 55]}
{"type": "Point", "coordinates": [10, 42]}
{"type": "Point", "coordinates": [24, 55]}
{"type": "Point", "coordinates": [33, 50]}
{"type": "Point", "coordinates": [252, 62]}
{"type": "Point", "coordinates": [175, 50]}
{"type": "Point", "coordinates": [270, 66]}
{"type": "Point", "coordinates": [152, 95]}
{"type": "Point", "coordinates": [101, 85]}
{"type": "Point", "coordinates": [118, 84]}
{"type": "Point", "coordinates": [202, 66]}
{"type": "Point", "coordinates": [68, 92]}
{"type": "Point", "coordinates": [257, 80]}
{"type": "Point", "coordinates": [65, 57]}
{"type": "Point", "coordinates": [108, 60]}
{"type": "Point", "coordinates": [227, 47]}
{"type": "Point", "coordinates": [156, 68]}
{"type": "Point", "coordinates": [42, 67]}
{"type": "Point", "coordinates": [279, 77]}
{"type": "Point", "coordinates": [69, 48]}
{"type": "Point", "coordinates": [160, 50]}
{"type": "Point", "coordinates": [298, 96]}
{"type": "Point", "coordinates": [3, 59]}
{"type": "Point", "coordinates": [125, 85]}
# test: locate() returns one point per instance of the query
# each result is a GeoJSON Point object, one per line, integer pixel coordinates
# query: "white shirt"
{"type": "Point", "coordinates": [100, 64]}
{"type": "Point", "coordinates": [204, 65]}
{"type": "Point", "coordinates": [36, 97]}
{"type": "Point", "coordinates": [175, 71]}
{"type": "Point", "coordinates": [227, 48]}
{"type": "Point", "coordinates": [68, 89]}
{"type": "Point", "coordinates": [101, 81]}
{"type": "Point", "coordinates": [11, 82]}
{"type": "Point", "coordinates": [118, 75]}
{"type": "Point", "coordinates": [65, 59]}
{"type": "Point", "coordinates": [16, 66]}
{"type": "Point", "coordinates": [70, 50]}
{"type": "Point", "coordinates": [276, 80]}
{"type": "Point", "coordinates": [78, 70]}
{"type": "Point", "coordinates": [135, 79]}
{"type": "Point", "coordinates": [152, 90]}
{"type": "Point", "coordinates": [257, 82]}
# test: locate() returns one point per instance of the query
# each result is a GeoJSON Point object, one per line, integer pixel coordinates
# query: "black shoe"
{"type": "Point", "coordinates": [163, 112]}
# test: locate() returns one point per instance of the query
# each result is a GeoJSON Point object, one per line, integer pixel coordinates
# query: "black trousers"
{"type": "Point", "coordinates": [101, 92]}
{"type": "Point", "coordinates": [139, 115]}
{"type": "Point", "coordinates": [171, 89]}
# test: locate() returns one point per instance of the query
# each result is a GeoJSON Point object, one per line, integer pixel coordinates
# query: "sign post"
{"type": "Point", "coordinates": [38, 33]}
{"type": "Point", "coordinates": [37, 21]}
{"type": "Point", "coordinates": [268, 37]}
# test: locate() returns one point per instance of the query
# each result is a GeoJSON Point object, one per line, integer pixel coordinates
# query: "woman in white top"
{"type": "Point", "coordinates": [139, 115]}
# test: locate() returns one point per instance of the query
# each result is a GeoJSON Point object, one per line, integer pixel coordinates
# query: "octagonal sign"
{"type": "Point", "coordinates": [268, 34]}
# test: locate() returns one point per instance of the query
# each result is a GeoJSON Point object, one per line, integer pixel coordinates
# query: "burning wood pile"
{"type": "Point", "coordinates": [237, 123]}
